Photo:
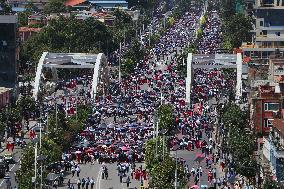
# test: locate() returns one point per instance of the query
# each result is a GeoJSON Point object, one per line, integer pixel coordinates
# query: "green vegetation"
{"type": "Point", "coordinates": [238, 142]}
{"type": "Point", "coordinates": [166, 117]}
{"type": "Point", "coordinates": [270, 184]}
{"type": "Point", "coordinates": [163, 174]}
{"type": "Point", "coordinates": [182, 59]}
{"type": "Point", "coordinates": [182, 6]}
{"type": "Point", "coordinates": [68, 35]}
{"type": "Point", "coordinates": [131, 58]}
{"type": "Point", "coordinates": [55, 6]}
{"type": "Point", "coordinates": [154, 152]}
{"type": "Point", "coordinates": [6, 9]}
{"type": "Point", "coordinates": [158, 161]}
{"type": "Point", "coordinates": [23, 16]}
{"type": "Point", "coordinates": [59, 137]}
{"type": "Point", "coordinates": [236, 26]}
{"type": "Point", "coordinates": [26, 172]}
{"type": "Point", "coordinates": [161, 166]}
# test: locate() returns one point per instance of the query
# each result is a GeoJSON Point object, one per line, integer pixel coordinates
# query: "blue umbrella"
{"type": "Point", "coordinates": [7, 177]}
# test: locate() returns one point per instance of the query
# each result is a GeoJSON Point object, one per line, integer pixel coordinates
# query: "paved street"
{"type": "Point", "coordinates": [17, 153]}
{"type": "Point", "coordinates": [94, 171]}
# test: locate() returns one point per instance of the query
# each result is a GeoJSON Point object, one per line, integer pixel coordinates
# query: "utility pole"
{"type": "Point", "coordinates": [35, 163]}
{"type": "Point", "coordinates": [56, 117]}
{"type": "Point", "coordinates": [76, 100]}
{"type": "Point", "coordinates": [119, 66]}
{"type": "Point", "coordinates": [176, 172]}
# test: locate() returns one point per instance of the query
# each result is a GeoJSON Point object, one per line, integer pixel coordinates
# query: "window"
{"type": "Point", "coordinates": [267, 122]}
{"type": "Point", "coordinates": [271, 106]}
{"type": "Point", "coordinates": [261, 23]}
{"type": "Point", "coordinates": [264, 32]}
{"type": "Point", "coordinates": [277, 33]}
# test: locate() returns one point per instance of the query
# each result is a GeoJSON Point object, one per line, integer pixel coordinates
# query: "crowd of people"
{"type": "Point", "coordinates": [123, 119]}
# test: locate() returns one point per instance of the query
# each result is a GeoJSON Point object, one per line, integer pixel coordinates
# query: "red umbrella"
{"type": "Point", "coordinates": [124, 148]}
{"type": "Point", "coordinates": [89, 151]}
{"type": "Point", "coordinates": [194, 187]}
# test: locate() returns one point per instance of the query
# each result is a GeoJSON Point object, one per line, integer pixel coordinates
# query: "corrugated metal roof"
{"type": "Point", "coordinates": [109, 2]}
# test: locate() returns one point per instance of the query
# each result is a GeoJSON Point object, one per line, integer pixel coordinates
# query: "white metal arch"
{"type": "Point", "coordinates": [54, 61]}
{"type": "Point", "coordinates": [222, 60]}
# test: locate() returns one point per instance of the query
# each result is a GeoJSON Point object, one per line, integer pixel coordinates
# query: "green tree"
{"type": "Point", "coordinates": [26, 170]}
{"type": "Point", "coordinates": [232, 115]}
{"type": "Point", "coordinates": [54, 6]}
{"type": "Point", "coordinates": [68, 35]}
{"type": "Point", "coordinates": [269, 184]}
{"type": "Point", "coordinates": [135, 52]}
{"type": "Point", "coordinates": [228, 8]}
{"type": "Point", "coordinates": [166, 117]}
{"type": "Point", "coordinates": [23, 16]}
{"type": "Point", "coordinates": [53, 155]}
{"type": "Point", "coordinates": [237, 29]}
{"type": "Point", "coordinates": [127, 67]}
{"type": "Point", "coordinates": [6, 9]}
{"type": "Point", "coordinates": [155, 151]}
{"type": "Point", "coordinates": [163, 175]}
{"type": "Point", "coordinates": [247, 167]}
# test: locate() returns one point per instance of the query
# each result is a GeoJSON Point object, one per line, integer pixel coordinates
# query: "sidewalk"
{"type": "Point", "coordinates": [4, 150]}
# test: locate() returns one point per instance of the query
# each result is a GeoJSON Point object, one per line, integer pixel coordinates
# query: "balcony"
{"type": "Point", "coordinates": [269, 38]}
{"type": "Point", "coordinates": [255, 47]}
{"type": "Point", "coordinates": [278, 72]}
{"type": "Point", "coordinates": [265, 4]}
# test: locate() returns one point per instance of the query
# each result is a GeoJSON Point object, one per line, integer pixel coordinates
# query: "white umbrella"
{"type": "Point", "coordinates": [78, 152]}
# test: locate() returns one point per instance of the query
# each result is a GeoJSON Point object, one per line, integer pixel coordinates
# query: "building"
{"type": "Point", "coordinates": [273, 149]}
{"type": "Point", "coordinates": [109, 4]}
{"type": "Point", "coordinates": [19, 5]}
{"type": "Point", "coordinates": [37, 19]}
{"type": "Point", "coordinates": [5, 96]}
{"type": "Point", "coordinates": [268, 29]}
{"type": "Point", "coordinates": [267, 95]}
{"type": "Point", "coordinates": [78, 4]}
{"type": "Point", "coordinates": [267, 104]}
{"type": "Point", "coordinates": [26, 32]}
{"type": "Point", "coordinates": [97, 4]}
{"type": "Point", "coordinates": [8, 50]}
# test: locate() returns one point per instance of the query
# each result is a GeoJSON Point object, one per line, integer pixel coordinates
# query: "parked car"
{"type": "Point", "coordinates": [9, 158]}
{"type": "Point", "coordinates": [52, 177]}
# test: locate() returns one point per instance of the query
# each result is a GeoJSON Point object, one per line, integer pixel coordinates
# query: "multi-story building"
{"type": "Point", "coordinates": [268, 30]}
{"type": "Point", "coordinates": [267, 96]}
{"type": "Point", "coordinates": [9, 55]}
{"type": "Point", "coordinates": [26, 32]}
{"type": "Point", "coordinates": [273, 149]}
{"type": "Point", "coordinates": [20, 5]}
{"type": "Point", "coordinates": [97, 4]}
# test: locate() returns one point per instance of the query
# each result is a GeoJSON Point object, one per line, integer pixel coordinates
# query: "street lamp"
{"type": "Point", "coordinates": [40, 159]}
{"type": "Point", "coordinates": [164, 131]}
{"type": "Point", "coordinates": [175, 148]}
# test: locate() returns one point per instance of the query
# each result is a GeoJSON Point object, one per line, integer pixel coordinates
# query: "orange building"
{"type": "Point", "coordinates": [26, 32]}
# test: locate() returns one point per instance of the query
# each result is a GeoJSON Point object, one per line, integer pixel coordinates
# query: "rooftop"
{"type": "Point", "coordinates": [8, 19]}
{"type": "Point", "coordinates": [4, 89]}
{"type": "Point", "coordinates": [27, 29]}
{"type": "Point", "coordinates": [279, 124]}
{"type": "Point", "coordinates": [74, 2]}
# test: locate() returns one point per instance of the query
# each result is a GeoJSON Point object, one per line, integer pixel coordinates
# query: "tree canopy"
{"type": "Point", "coordinates": [68, 35]}
{"type": "Point", "coordinates": [163, 174]}
{"type": "Point", "coordinates": [55, 6]}
{"type": "Point", "coordinates": [166, 117]}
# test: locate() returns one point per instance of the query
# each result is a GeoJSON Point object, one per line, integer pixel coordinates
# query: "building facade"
{"type": "Point", "coordinates": [9, 52]}
{"type": "Point", "coordinates": [268, 31]}
{"type": "Point", "coordinates": [273, 149]}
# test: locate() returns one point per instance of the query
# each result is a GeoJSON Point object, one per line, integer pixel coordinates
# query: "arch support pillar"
{"type": "Point", "coordinates": [38, 74]}
{"type": "Point", "coordinates": [188, 78]}
{"type": "Point", "coordinates": [239, 76]}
